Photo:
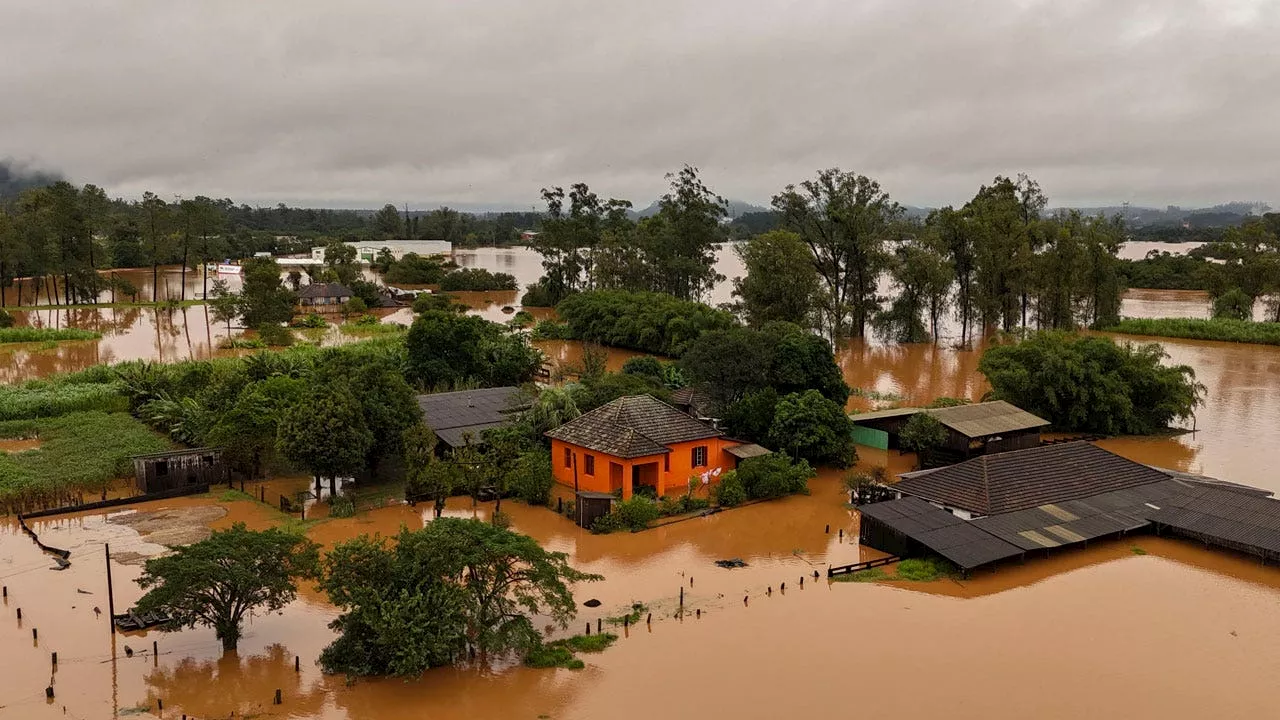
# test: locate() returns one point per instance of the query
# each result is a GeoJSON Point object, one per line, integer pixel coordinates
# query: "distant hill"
{"type": "Point", "coordinates": [736, 209]}
{"type": "Point", "coordinates": [14, 178]}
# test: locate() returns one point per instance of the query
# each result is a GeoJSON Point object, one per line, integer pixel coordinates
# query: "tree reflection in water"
{"type": "Point", "coordinates": [247, 685]}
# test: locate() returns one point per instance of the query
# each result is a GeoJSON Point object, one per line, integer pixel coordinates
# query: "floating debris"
{"type": "Point", "coordinates": [591, 603]}
{"type": "Point", "coordinates": [732, 563]}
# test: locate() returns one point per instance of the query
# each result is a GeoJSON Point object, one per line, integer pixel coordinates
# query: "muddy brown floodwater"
{"type": "Point", "coordinates": [1177, 632]}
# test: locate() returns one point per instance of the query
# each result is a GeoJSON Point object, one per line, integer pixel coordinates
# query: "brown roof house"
{"type": "Point", "coordinates": [322, 297]}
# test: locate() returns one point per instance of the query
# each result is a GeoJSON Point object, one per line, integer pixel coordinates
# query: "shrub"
{"type": "Point", "coordinates": [922, 433]}
{"type": "Point", "coordinates": [537, 295]}
{"type": "Point", "coordinates": [310, 320]}
{"type": "Point", "coordinates": [812, 427]}
{"type": "Point", "coordinates": [925, 569]}
{"type": "Point", "coordinates": [477, 279]}
{"type": "Point", "coordinates": [342, 506]}
{"type": "Point", "coordinates": [426, 302]}
{"type": "Point", "coordinates": [1234, 304]}
{"type": "Point", "coordinates": [650, 322]}
{"type": "Point", "coordinates": [6, 320]}
{"type": "Point", "coordinates": [530, 477]}
{"type": "Point", "coordinates": [551, 330]}
{"type": "Point", "coordinates": [730, 491]}
{"type": "Point", "coordinates": [355, 306]}
{"type": "Point", "coordinates": [275, 335]}
{"type": "Point", "coordinates": [1221, 329]}
{"type": "Point", "coordinates": [634, 515]}
{"type": "Point", "coordinates": [414, 269]}
{"type": "Point", "coordinates": [521, 319]}
{"type": "Point", "coordinates": [368, 320]}
{"type": "Point", "coordinates": [773, 476]}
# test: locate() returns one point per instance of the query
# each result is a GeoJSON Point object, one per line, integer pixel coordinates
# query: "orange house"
{"type": "Point", "coordinates": [639, 441]}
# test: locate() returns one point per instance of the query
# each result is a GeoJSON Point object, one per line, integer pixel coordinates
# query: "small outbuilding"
{"type": "Point", "coordinates": [976, 429]}
{"type": "Point", "coordinates": [176, 469]}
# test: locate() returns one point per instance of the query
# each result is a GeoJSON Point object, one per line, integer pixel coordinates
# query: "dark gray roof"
{"type": "Point", "coordinates": [987, 418]}
{"type": "Point", "coordinates": [1022, 479]}
{"type": "Point", "coordinates": [1076, 521]}
{"type": "Point", "coordinates": [943, 533]}
{"type": "Point", "coordinates": [633, 426]}
{"type": "Point", "coordinates": [453, 415]}
{"type": "Point", "coordinates": [327, 290]}
{"type": "Point", "coordinates": [1226, 516]}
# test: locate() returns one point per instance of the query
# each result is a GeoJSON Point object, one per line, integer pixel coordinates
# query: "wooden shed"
{"type": "Point", "coordinates": [588, 506]}
{"type": "Point", "coordinates": [173, 469]}
{"type": "Point", "coordinates": [976, 429]}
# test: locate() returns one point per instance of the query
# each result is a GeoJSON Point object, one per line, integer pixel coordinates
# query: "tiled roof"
{"type": "Point", "coordinates": [327, 290]}
{"type": "Point", "coordinates": [1022, 479]}
{"type": "Point", "coordinates": [631, 427]}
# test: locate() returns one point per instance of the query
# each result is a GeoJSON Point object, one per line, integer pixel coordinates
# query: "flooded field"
{"type": "Point", "coordinates": [1127, 627]}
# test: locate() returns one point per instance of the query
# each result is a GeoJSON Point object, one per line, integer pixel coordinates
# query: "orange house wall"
{"type": "Point", "coordinates": [673, 480]}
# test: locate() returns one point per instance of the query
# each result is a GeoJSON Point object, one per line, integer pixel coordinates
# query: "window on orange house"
{"type": "Point", "coordinates": [589, 464]}
{"type": "Point", "coordinates": [666, 463]}
{"type": "Point", "coordinates": [568, 457]}
{"type": "Point", "coordinates": [700, 456]}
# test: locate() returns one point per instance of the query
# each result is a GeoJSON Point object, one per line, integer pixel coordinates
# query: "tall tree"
{"type": "Point", "coordinates": [1005, 217]}
{"type": "Point", "coordinates": [156, 219]}
{"type": "Point", "coordinates": [922, 274]}
{"type": "Point", "coordinates": [388, 223]}
{"type": "Point", "coordinates": [327, 434]}
{"type": "Point", "coordinates": [780, 284]}
{"type": "Point", "coordinates": [264, 300]}
{"type": "Point", "coordinates": [217, 581]}
{"type": "Point", "coordinates": [570, 234]}
{"type": "Point", "coordinates": [681, 240]}
{"type": "Point", "coordinates": [844, 218]}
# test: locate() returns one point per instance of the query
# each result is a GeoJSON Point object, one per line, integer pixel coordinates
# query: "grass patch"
{"type": "Point", "coordinates": [241, 343]}
{"type": "Point", "coordinates": [1224, 330]}
{"type": "Point", "coordinates": [360, 329]}
{"type": "Point", "coordinates": [868, 575]}
{"type": "Point", "coordinates": [561, 652]}
{"type": "Point", "coordinates": [79, 452]}
{"type": "Point", "coordinates": [1137, 550]}
{"type": "Point", "coordinates": [924, 569]}
{"type": "Point", "coordinates": [637, 611]}
{"type": "Point", "coordinates": [163, 304]}
{"type": "Point", "coordinates": [235, 495]}
{"type": "Point", "coordinates": [39, 334]}
{"type": "Point", "coordinates": [50, 398]}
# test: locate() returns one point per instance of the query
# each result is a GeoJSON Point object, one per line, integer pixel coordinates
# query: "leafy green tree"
{"type": "Point", "coordinates": [216, 581]}
{"type": "Point", "coordinates": [730, 491]}
{"type": "Point", "coordinates": [811, 427]}
{"type": "Point", "coordinates": [327, 434]}
{"type": "Point", "coordinates": [1005, 220]}
{"type": "Point", "coordinates": [388, 223]}
{"type": "Point", "coordinates": [446, 349]}
{"type": "Point", "coordinates": [530, 478]}
{"type": "Point", "coordinates": [224, 303]}
{"type": "Point", "coordinates": [264, 300]}
{"type": "Point", "coordinates": [751, 417]}
{"type": "Point", "coordinates": [454, 585]}
{"type": "Point", "coordinates": [729, 364]}
{"type": "Point", "coordinates": [246, 430]}
{"type": "Point", "coordinates": [1234, 304]}
{"type": "Point", "coordinates": [680, 241]}
{"type": "Point", "coordinates": [1091, 384]}
{"type": "Point", "coordinates": [650, 322]}
{"type": "Point", "coordinates": [844, 218]}
{"type": "Point", "coordinates": [781, 283]}
{"type": "Point", "coordinates": [426, 475]}
{"type": "Point", "coordinates": [414, 269]}
{"type": "Point", "coordinates": [773, 476]}
{"type": "Point", "coordinates": [922, 274]}
{"type": "Point", "coordinates": [922, 433]}
{"type": "Point", "coordinates": [599, 390]}
{"type": "Point", "coordinates": [569, 235]}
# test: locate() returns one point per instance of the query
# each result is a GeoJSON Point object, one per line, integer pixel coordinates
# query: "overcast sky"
{"type": "Point", "coordinates": [361, 103]}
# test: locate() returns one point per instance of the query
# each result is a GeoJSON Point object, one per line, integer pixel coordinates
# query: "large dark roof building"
{"type": "Point", "coordinates": [456, 417]}
{"type": "Point", "coordinates": [994, 507]}
{"type": "Point", "coordinates": [632, 427]}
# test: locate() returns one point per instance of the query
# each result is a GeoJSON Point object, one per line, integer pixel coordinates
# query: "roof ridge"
{"type": "Point", "coordinates": [986, 483]}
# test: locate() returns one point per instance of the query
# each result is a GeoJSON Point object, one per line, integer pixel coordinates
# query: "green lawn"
{"type": "Point", "coordinates": [1237, 331]}
{"type": "Point", "coordinates": [35, 334]}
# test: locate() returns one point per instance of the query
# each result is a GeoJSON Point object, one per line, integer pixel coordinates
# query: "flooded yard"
{"type": "Point", "coordinates": [1103, 631]}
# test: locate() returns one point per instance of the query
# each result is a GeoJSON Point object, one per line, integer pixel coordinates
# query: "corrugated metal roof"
{"type": "Point", "coordinates": [886, 413]}
{"type": "Point", "coordinates": [1022, 479]}
{"type": "Point", "coordinates": [1225, 515]}
{"type": "Point", "coordinates": [453, 415]}
{"type": "Point", "coordinates": [987, 418]}
{"type": "Point", "coordinates": [748, 450]}
{"type": "Point", "coordinates": [943, 533]}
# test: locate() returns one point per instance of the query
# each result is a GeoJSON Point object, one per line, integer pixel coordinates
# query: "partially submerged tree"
{"type": "Point", "coordinates": [453, 587]}
{"type": "Point", "coordinates": [217, 581]}
{"type": "Point", "coordinates": [922, 433]}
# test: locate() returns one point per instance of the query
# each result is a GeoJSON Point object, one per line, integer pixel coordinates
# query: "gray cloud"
{"type": "Point", "coordinates": [358, 104]}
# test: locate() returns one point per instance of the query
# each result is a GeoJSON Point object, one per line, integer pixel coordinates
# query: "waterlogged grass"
{"type": "Point", "coordinates": [1137, 550]}
{"type": "Point", "coordinates": [78, 452]}
{"type": "Point", "coordinates": [925, 569]}
{"type": "Point", "coordinates": [50, 398]}
{"type": "Point", "coordinates": [913, 569]}
{"type": "Point", "coordinates": [869, 575]}
{"type": "Point", "coordinates": [637, 611]}
{"type": "Point", "coordinates": [561, 652]}
{"type": "Point", "coordinates": [366, 330]}
{"type": "Point", "coordinates": [1237, 331]}
{"type": "Point", "coordinates": [42, 335]}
